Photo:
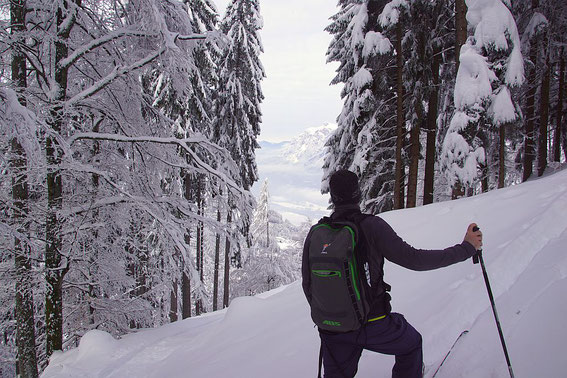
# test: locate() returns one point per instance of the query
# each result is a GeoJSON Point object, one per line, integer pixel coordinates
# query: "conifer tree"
{"type": "Point", "coordinates": [491, 64]}
{"type": "Point", "coordinates": [237, 106]}
{"type": "Point", "coordinates": [239, 95]}
{"type": "Point", "coordinates": [260, 228]}
{"type": "Point", "coordinates": [362, 141]}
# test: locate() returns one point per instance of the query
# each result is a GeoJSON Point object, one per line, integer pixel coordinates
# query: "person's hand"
{"type": "Point", "coordinates": [474, 237]}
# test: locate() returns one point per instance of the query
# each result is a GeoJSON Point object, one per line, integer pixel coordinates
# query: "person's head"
{"type": "Point", "coordinates": [344, 188]}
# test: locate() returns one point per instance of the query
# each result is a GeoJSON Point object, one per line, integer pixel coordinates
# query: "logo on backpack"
{"type": "Point", "coordinates": [324, 250]}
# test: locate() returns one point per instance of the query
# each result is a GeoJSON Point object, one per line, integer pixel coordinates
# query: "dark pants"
{"type": "Point", "coordinates": [392, 335]}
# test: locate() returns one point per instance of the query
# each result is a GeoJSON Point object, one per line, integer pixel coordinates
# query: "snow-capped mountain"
{"type": "Point", "coordinates": [294, 170]}
{"type": "Point", "coordinates": [308, 147]}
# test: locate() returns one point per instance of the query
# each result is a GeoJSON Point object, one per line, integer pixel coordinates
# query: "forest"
{"type": "Point", "coordinates": [445, 99]}
{"type": "Point", "coordinates": [129, 130]}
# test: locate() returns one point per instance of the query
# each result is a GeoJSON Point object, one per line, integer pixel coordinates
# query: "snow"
{"type": "Point", "coordinates": [502, 108]}
{"type": "Point", "coordinates": [362, 78]}
{"type": "Point", "coordinates": [357, 25]}
{"type": "Point", "coordinates": [473, 78]}
{"type": "Point", "coordinates": [537, 23]}
{"type": "Point", "coordinates": [391, 13]}
{"type": "Point", "coordinates": [375, 43]}
{"type": "Point", "coordinates": [272, 335]}
{"type": "Point", "coordinates": [494, 25]}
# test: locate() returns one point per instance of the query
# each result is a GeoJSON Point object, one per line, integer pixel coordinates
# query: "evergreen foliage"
{"type": "Point", "coordinates": [470, 124]}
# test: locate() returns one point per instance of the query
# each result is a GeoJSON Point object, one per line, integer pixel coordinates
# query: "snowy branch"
{"type": "Point", "coordinates": [77, 54]}
{"type": "Point", "coordinates": [183, 143]}
{"type": "Point", "coordinates": [118, 71]}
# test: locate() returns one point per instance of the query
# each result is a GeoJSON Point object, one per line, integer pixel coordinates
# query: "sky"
{"type": "Point", "coordinates": [297, 86]}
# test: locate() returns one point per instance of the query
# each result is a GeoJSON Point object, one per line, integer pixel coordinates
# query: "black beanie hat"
{"type": "Point", "coordinates": [344, 188]}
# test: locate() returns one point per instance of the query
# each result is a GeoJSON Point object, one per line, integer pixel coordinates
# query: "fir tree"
{"type": "Point", "coordinates": [490, 64]}
{"type": "Point", "coordinates": [361, 142]}
{"type": "Point", "coordinates": [240, 72]}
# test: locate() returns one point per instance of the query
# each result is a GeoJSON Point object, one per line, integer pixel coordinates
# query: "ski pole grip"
{"type": "Point", "coordinates": [476, 256]}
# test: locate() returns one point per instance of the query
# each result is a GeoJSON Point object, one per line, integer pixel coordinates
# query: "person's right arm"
{"type": "Point", "coordinates": [396, 250]}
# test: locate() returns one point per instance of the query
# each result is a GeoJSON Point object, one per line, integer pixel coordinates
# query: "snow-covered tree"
{"type": "Point", "coordinates": [237, 105]}
{"type": "Point", "coordinates": [542, 29]}
{"type": "Point", "coordinates": [260, 228]}
{"type": "Point", "coordinates": [491, 64]}
{"type": "Point", "coordinates": [361, 142]}
{"type": "Point", "coordinates": [107, 221]}
{"type": "Point", "coordinates": [265, 267]}
{"type": "Point", "coordinates": [239, 95]}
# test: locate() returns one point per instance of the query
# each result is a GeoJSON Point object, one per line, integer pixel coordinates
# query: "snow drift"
{"type": "Point", "coordinates": [271, 335]}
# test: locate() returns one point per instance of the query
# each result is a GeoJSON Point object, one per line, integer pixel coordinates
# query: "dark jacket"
{"type": "Point", "coordinates": [378, 241]}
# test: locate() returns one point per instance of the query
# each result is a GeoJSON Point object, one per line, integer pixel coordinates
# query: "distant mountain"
{"type": "Point", "coordinates": [308, 147]}
{"type": "Point", "coordinates": [294, 170]}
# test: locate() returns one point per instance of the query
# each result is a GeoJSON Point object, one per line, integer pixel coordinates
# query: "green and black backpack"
{"type": "Point", "coordinates": [338, 281]}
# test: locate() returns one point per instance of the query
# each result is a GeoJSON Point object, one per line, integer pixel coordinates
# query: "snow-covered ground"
{"type": "Point", "coordinates": [271, 335]}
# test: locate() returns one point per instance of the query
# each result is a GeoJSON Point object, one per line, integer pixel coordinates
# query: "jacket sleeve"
{"type": "Point", "coordinates": [305, 271]}
{"type": "Point", "coordinates": [396, 250]}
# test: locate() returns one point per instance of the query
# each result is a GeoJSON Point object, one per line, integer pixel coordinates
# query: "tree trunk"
{"type": "Point", "coordinates": [93, 257]}
{"type": "Point", "coordinates": [400, 122]}
{"type": "Point", "coordinates": [186, 296]}
{"type": "Point", "coordinates": [227, 262]}
{"type": "Point", "coordinates": [414, 164]}
{"type": "Point", "coordinates": [544, 119]}
{"type": "Point", "coordinates": [185, 280]}
{"type": "Point", "coordinates": [173, 303]}
{"type": "Point", "coordinates": [432, 113]}
{"type": "Point", "coordinates": [458, 190]}
{"type": "Point", "coordinates": [217, 263]}
{"type": "Point", "coordinates": [24, 307]}
{"type": "Point", "coordinates": [53, 243]}
{"type": "Point", "coordinates": [557, 136]}
{"type": "Point", "coordinates": [460, 40]}
{"type": "Point", "coordinates": [199, 251]}
{"type": "Point", "coordinates": [502, 156]}
{"type": "Point", "coordinates": [530, 107]}
{"type": "Point", "coordinates": [460, 28]}
{"type": "Point", "coordinates": [268, 233]}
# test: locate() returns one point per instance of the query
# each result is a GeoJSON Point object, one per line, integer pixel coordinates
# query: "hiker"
{"type": "Point", "coordinates": [384, 331]}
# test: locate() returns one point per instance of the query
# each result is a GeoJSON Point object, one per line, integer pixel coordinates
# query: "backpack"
{"type": "Point", "coordinates": [338, 281]}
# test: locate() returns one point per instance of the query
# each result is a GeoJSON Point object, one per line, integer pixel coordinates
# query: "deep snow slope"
{"type": "Point", "coordinates": [271, 335]}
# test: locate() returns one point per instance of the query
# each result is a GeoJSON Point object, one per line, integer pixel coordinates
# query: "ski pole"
{"type": "Point", "coordinates": [476, 258]}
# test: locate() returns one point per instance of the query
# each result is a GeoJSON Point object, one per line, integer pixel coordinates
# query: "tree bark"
{"type": "Point", "coordinates": [55, 272]}
{"type": "Point", "coordinates": [24, 306]}
{"type": "Point", "coordinates": [530, 107]}
{"type": "Point", "coordinates": [414, 164]}
{"type": "Point", "coordinates": [185, 280]}
{"type": "Point", "coordinates": [173, 303]}
{"type": "Point", "coordinates": [429, 179]}
{"type": "Point", "coordinates": [544, 119]}
{"type": "Point", "coordinates": [502, 156]}
{"type": "Point", "coordinates": [460, 39]}
{"type": "Point", "coordinates": [186, 296]}
{"type": "Point", "coordinates": [199, 250]}
{"type": "Point", "coordinates": [400, 122]}
{"type": "Point", "coordinates": [226, 293]}
{"type": "Point", "coordinates": [217, 263]}
{"type": "Point", "coordinates": [267, 233]}
{"type": "Point", "coordinates": [460, 29]}
{"type": "Point", "coordinates": [557, 137]}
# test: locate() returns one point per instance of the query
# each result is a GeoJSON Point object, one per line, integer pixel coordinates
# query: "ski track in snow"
{"type": "Point", "coordinates": [272, 335]}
